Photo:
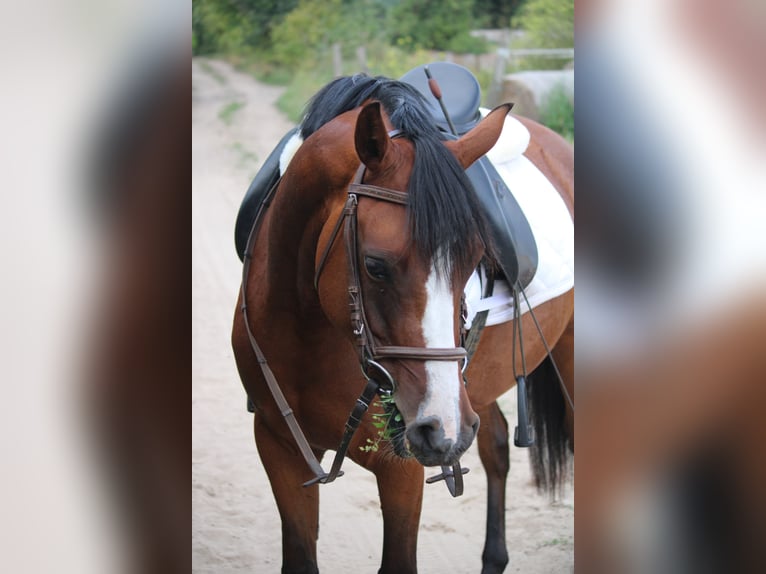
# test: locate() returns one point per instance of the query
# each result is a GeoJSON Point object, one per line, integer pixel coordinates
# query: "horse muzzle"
{"type": "Point", "coordinates": [426, 440]}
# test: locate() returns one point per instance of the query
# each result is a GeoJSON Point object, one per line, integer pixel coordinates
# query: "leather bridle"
{"type": "Point", "coordinates": [368, 351]}
{"type": "Point", "coordinates": [379, 379]}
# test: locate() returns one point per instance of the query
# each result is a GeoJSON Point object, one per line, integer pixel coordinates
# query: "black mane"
{"type": "Point", "coordinates": [443, 210]}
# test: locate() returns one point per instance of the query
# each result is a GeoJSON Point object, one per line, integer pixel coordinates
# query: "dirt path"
{"type": "Point", "coordinates": [235, 525]}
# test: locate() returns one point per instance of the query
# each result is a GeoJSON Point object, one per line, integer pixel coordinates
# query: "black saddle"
{"type": "Point", "coordinates": [266, 177]}
{"type": "Point", "coordinates": [461, 94]}
{"type": "Point", "coordinates": [514, 242]}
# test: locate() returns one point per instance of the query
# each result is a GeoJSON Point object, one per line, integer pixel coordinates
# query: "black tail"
{"type": "Point", "coordinates": [550, 456]}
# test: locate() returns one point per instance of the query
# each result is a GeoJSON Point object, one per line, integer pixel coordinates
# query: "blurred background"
{"type": "Point", "coordinates": [520, 50]}
{"type": "Point", "coordinates": [255, 65]}
{"type": "Point", "coordinates": [671, 277]}
{"type": "Point", "coordinates": [670, 258]}
{"type": "Point", "coordinates": [95, 299]}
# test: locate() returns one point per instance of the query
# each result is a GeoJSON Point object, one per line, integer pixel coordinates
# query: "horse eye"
{"type": "Point", "coordinates": [376, 268]}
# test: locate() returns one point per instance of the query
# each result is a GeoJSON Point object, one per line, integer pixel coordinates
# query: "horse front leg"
{"type": "Point", "coordinates": [298, 506]}
{"type": "Point", "coordinates": [400, 485]}
{"type": "Point", "coordinates": [494, 454]}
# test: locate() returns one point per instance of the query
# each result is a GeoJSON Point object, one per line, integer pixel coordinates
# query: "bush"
{"type": "Point", "coordinates": [546, 24]}
{"type": "Point", "coordinates": [430, 24]}
{"type": "Point", "coordinates": [558, 113]}
{"type": "Point", "coordinates": [466, 44]}
{"type": "Point", "coordinates": [308, 32]}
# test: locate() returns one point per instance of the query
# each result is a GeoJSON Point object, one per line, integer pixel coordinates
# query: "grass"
{"type": "Point", "coordinates": [246, 157]}
{"type": "Point", "coordinates": [556, 542]}
{"type": "Point", "coordinates": [211, 71]}
{"type": "Point", "coordinates": [261, 68]}
{"type": "Point", "coordinates": [297, 93]}
{"type": "Point", "coordinates": [301, 84]}
{"type": "Point", "coordinates": [382, 59]}
{"type": "Point", "coordinates": [558, 114]}
{"type": "Point", "coordinates": [226, 113]}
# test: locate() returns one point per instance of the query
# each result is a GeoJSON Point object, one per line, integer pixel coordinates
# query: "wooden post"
{"type": "Point", "coordinates": [337, 60]}
{"type": "Point", "coordinates": [361, 57]}
{"type": "Point", "coordinates": [496, 87]}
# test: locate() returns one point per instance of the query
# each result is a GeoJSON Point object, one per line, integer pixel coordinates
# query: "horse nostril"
{"type": "Point", "coordinates": [428, 435]}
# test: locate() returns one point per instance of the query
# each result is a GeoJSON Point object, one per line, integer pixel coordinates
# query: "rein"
{"type": "Point", "coordinates": [379, 379]}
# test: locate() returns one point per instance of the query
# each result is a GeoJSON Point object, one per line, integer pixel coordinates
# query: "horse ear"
{"type": "Point", "coordinates": [481, 138]}
{"type": "Point", "coordinates": [371, 136]}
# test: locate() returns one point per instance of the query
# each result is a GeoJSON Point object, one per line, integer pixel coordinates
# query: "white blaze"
{"type": "Point", "coordinates": [442, 381]}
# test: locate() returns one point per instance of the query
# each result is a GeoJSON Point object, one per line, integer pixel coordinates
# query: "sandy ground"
{"type": "Point", "coordinates": [235, 524]}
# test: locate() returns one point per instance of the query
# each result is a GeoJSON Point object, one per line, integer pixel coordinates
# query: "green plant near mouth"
{"type": "Point", "coordinates": [382, 422]}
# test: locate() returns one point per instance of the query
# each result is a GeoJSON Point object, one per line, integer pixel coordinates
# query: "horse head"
{"type": "Point", "coordinates": [413, 259]}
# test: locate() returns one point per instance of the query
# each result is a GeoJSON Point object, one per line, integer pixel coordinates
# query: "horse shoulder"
{"type": "Point", "coordinates": [554, 156]}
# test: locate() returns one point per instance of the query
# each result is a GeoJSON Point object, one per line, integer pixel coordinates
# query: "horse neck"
{"type": "Point", "coordinates": [295, 220]}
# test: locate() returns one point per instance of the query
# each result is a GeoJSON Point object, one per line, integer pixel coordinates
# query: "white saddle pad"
{"type": "Point", "coordinates": [551, 225]}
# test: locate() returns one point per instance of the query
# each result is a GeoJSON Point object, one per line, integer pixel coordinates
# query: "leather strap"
{"type": "Point", "coordinates": [366, 348]}
{"type": "Point", "coordinates": [378, 193]}
{"type": "Point", "coordinates": [354, 419]}
{"type": "Point", "coordinates": [423, 353]}
{"type": "Point", "coordinates": [268, 374]}
{"type": "Point", "coordinates": [479, 321]}
{"type": "Point", "coordinates": [364, 340]}
{"type": "Point", "coordinates": [328, 247]}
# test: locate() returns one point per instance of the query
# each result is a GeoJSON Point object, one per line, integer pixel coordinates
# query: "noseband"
{"type": "Point", "coordinates": [368, 351]}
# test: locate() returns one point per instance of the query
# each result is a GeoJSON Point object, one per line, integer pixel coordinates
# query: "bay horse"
{"type": "Point", "coordinates": [416, 235]}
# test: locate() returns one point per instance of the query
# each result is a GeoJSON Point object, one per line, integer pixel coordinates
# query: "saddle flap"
{"type": "Point", "coordinates": [515, 244]}
{"type": "Point", "coordinates": [266, 177]}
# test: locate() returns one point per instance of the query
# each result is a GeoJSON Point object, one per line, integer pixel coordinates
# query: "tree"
{"type": "Point", "coordinates": [234, 25]}
{"type": "Point", "coordinates": [549, 23]}
{"type": "Point", "coordinates": [495, 13]}
{"type": "Point", "coordinates": [431, 24]}
{"type": "Point", "coordinates": [312, 27]}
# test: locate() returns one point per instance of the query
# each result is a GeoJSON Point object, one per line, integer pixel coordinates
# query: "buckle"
{"type": "Point", "coordinates": [387, 385]}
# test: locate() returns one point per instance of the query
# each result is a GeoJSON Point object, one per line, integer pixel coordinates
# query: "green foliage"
{"type": "Point", "coordinates": [430, 24]}
{"type": "Point", "coordinates": [293, 33]}
{"type": "Point", "coordinates": [394, 62]}
{"type": "Point", "coordinates": [548, 23]}
{"type": "Point", "coordinates": [558, 113]}
{"type": "Point", "coordinates": [495, 13]}
{"type": "Point", "coordinates": [308, 32]}
{"type": "Point", "coordinates": [382, 59]}
{"type": "Point", "coordinates": [226, 113]}
{"type": "Point", "coordinates": [232, 26]}
{"type": "Point", "coordinates": [311, 26]}
{"type": "Point", "coordinates": [464, 43]}
{"type": "Point", "coordinates": [303, 85]}
{"type": "Point", "coordinates": [556, 542]}
{"type": "Point", "coordinates": [212, 72]}
{"type": "Point", "coordinates": [290, 42]}
{"type": "Point", "coordinates": [382, 422]}
{"type": "Point", "coordinates": [247, 159]}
